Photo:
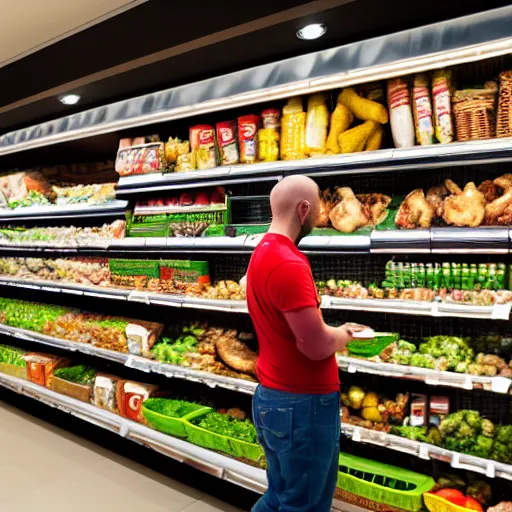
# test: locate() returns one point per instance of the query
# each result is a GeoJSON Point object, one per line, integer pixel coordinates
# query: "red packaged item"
{"type": "Point", "coordinates": [130, 396]}
{"type": "Point", "coordinates": [40, 367]}
{"type": "Point", "coordinates": [271, 118]}
{"type": "Point", "coordinates": [226, 139]}
{"type": "Point", "coordinates": [202, 144]}
{"type": "Point", "coordinates": [142, 159]}
{"type": "Point", "coordinates": [248, 127]}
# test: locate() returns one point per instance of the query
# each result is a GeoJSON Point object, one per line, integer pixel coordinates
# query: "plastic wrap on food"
{"type": "Point", "coordinates": [269, 135]}
{"type": "Point", "coordinates": [90, 194]}
{"type": "Point", "coordinates": [402, 124]}
{"type": "Point", "coordinates": [293, 130]}
{"type": "Point", "coordinates": [227, 141]}
{"type": "Point", "coordinates": [317, 123]}
{"type": "Point", "coordinates": [248, 127]}
{"type": "Point", "coordinates": [24, 189]}
{"type": "Point", "coordinates": [140, 159]}
{"type": "Point", "coordinates": [441, 94]}
{"type": "Point", "coordinates": [105, 392]}
{"type": "Point", "coordinates": [422, 110]}
{"type": "Point", "coordinates": [202, 144]}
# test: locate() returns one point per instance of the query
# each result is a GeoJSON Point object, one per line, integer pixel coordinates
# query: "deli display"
{"type": "Point", "coordinates": [400, 231]}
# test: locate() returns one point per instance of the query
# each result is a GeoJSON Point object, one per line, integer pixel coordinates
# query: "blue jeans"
{"type": "Point", "coordinates": [300, 435]}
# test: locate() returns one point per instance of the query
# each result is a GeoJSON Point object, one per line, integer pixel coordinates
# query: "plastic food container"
{"type": "Point", "coordinates": [377, 486]}
{"type": "Point", "coordinates": [437, 504]}
{"type": "Point", "coordinates": [371, 347]}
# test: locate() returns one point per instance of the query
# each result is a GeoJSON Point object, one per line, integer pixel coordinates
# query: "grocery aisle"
{"type": "Point", "coordinates": [47, 468]}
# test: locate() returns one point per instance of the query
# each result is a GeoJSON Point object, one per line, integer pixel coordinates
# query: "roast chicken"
{"type": "Point", "coordinates": [464, 208]}
{"type": "Point", "coordinates": [415, 211]}
{"type": "Point", "coordinates": [377, 204]}
{"type": "Point", "coordinates": [435, 197]}
{"type": "Point", "coordinates": [348, 214]}
{"type": "Point", "coordinates": [325, 208]}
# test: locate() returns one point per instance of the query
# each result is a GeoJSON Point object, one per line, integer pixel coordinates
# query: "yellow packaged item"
{"type": "Point", "coordinates": [363, 109]}
{"type": "Point", "coordinates": [374, 141]}
{"type": "Point", "coordinates": [268, 149]}
{"type": "Point", "coordinates": [354, 140]}
{"type": "Point", "coordinates": [317, 123]}
{"type": "Point", "coordinates": [341, 119]}
{"type": "Point", "coordinates": [293, 130]}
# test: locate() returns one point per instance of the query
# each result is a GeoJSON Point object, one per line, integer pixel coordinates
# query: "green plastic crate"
{"type": "Point", "coordinates": [174, 426]}
{"type": "Point", "coordinates": [382, 483]}
{"type": "Point", "coordinates": [220, 443]}
{"type": "Point", "coordinates": [373, 347]}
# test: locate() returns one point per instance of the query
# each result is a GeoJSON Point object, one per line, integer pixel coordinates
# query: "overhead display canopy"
{"type": "Point", "coordinates": [457, 41]}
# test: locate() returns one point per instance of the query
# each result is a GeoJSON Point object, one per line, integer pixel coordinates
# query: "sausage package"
{"type": "Point", "coordinates": [228, 146]}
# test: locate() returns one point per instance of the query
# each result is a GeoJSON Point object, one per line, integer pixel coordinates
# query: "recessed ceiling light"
{"type": "Point", "coordinates": [70, 99]}
{"type": "Point", "coordinates": [313, 31]}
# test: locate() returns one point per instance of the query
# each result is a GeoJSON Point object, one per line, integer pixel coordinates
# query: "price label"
{"type": "Point", "coordinates": [501, 312]}
{"type": "Point", "coordinates": [468, 383]}
{"type": "Point", "coordinates": [356, 436]}
{"type": "Point", "coordinates": [501, 384]}
{"type": "Point", "coordinates": [490, 471]}
{"type": "Point", "coordinates": [424, 452]}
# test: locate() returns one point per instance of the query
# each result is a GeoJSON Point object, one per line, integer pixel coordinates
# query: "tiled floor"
{"type": "Point", "coordinates": [47, 469]}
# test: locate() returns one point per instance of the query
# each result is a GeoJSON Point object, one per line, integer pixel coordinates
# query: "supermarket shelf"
{"type": "Point", "coordinates": [386, 160]}
{"type": "Point", "coordinates": [420, 308]}
{"type": "Point", "coordinates": [400, 307]}
{"type": "Point", "coordinates": [114, 208]}
{"type": "Point", "coordinates": [431, 377]}
{"type": "Point", "coordinates": [426, 451]}
{"type": "Point", "coordinates": [200, 458]}
{"type": "Point", "coordinates": [135, 362]}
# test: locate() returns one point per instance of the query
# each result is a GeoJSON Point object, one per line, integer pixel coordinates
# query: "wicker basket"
{"type": "Point", "coordinates": [504, 121]}
{"type": "Point", "coordinates": [475, 113]}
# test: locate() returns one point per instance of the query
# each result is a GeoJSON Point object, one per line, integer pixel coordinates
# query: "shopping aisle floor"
{"type": "Point", "coordinates": [46, 468]}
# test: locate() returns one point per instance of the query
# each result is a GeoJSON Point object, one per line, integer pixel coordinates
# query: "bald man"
{"type": "Point", "coordinates": [296, 408]}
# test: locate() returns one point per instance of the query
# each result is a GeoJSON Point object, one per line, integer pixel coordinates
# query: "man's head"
{"type": "Point", "coordinates": [295, 203]}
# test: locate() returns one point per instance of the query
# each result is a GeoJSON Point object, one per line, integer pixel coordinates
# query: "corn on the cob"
{"type": "Point", "coordinates": [374, 141]}
{"type": "Point", "coordinates": [354, 140]}
{"type": "Point", "coordinates": [293, 130]}
{"type": "Point", "coordinates": [363, 109]}
{"type": "Point", "coordinates": [317, 123]}
{"type": "Point", "coordinates": [341, 119]}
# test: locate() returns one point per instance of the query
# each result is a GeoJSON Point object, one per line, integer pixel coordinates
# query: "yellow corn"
{"type": "Point", "coordinates": [317, 123]}
{"type": "Point", "coordinates": [374, 141]}
{"type": "Point", "coordinates": [293, 131]}
{"type": "Point", "coordinates": [341, 119]}
{"type": "Point", "coordinates": [363, 109]}
{"type": "Point", "coordinates": [354, 140]}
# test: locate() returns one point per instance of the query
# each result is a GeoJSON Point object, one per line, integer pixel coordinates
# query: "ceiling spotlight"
{"type": "Point", "coordinates": [70, 99]}
{"type": "Point", "coordinates": [313, 31]}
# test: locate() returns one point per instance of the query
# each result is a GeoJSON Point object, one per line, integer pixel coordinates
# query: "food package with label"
{"type": "Point", "coordinates": [133, 273]}
{"type": "Point", "coordinates": [269, 135]}
{"type": "Point", "coordinates": [422, 110]}
{"type": "Point", "coordinates": [140, 159]}
{"type": "Point", "coordinates": [141, 336]}
{"type": "Point", "coordinates": [441, 95]}
{"type": "Point", "coordinates": [402, 124]}
{"type": "Point", "coordinates": [202, 144]}
{"type": "Point", "coordinates": [248, 127]}
{"type": "Point", "coordinates": [293, 130]}
{"type": "Point", "coordinates": [89, 194]}
{"type": "Point", "coordinates": [130, 396]}
{"type": "Point", "coordinates": [24, 189]}
{"type": "Point", "coordinates": [184, 271]}
{"type": "Point", "coordinates": [227, 141]}
{"type": "Point", "coordinates": [317, 123]}
{"type": "Point", "coordinates": [105, 392]}
{"type": "Point", "coordinates": [40, 367]}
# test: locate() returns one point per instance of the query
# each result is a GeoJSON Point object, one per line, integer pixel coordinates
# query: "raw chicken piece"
{"type": "Point", "coordinates": [504, 181]}
{"type": "Point", "coordinates": [377, 204]}
{"type": "Point", "coordinates": [466, 209]}
{"type": "Point", "coordinates": [325, 208]}
{"type": "Point", "coordinates": [490, 190]}
{"type": "Point", "coordinates": [435, 197]}
{"type": "Point", "coordinates": [415, 211]}
{"type": "Point", "coordinates": [348, 214]}
{"type": "Point", "coordinates": [499, 211]}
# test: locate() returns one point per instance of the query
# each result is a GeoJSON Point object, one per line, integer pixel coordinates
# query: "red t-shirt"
{"type": "Point", "coordinates": [279, 280]}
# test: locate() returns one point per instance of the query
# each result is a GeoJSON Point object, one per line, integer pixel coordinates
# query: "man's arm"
{"type": "Point", "coordinates": [314, 338]}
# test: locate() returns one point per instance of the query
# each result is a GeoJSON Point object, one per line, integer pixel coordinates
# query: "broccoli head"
{"type": "Point", "coordinates": [405, 346]}
{"type": "Point", "coordinates": [451, 443]}
{"type": "Point", "coordinates": [482, 447]}
{"type": "Point", "coordinates": [504, 435]}
{"type": "Point", "coordinates": [488, 428]}
{"type": "Point", "coordinates": [501, 453]}
{"type": "Point", "coordinates": [464, 431]}
{"type": "Point", "coordinates": [451, 423]}
{"type": "Point", "coordinates": [473, 419]}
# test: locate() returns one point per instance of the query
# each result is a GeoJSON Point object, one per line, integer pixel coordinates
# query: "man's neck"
{"type": "Point", "coordinates": [280, 228]}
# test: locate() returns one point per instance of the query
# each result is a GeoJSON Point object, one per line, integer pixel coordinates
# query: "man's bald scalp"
{"type": "Point", "coordinates": [289, 192]}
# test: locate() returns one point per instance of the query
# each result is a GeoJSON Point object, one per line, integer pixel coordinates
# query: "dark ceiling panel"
{"type": "Point", "coordinates": [143, 30]}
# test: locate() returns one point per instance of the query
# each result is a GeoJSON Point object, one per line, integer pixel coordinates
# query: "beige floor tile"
{"type": "Point", "coordinates": [39, 462]}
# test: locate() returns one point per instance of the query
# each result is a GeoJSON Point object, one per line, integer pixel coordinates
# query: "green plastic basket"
{"type": "Point", "coordinates": [220, 443]}
{"type": "Point", "coordinates": [381, 483]}
{"type": "Point", "coordinates": [373, 347]}
{"type": "Point", "coordinates": [174, 426]}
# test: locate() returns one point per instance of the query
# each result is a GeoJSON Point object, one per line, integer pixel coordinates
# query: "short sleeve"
{"type": "Point", "coordinates": [290, 286]}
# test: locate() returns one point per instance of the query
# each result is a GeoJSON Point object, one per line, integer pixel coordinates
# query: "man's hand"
{"type": "Point", "coordinates": [353, 329]}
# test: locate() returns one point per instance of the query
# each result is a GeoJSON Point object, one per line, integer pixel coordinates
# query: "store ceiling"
{"type": "Point", "coordinates": [159, 44]}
